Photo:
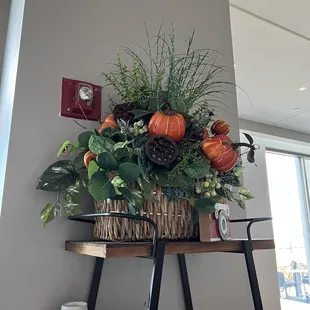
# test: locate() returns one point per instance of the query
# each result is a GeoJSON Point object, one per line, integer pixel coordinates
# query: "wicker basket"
{"type": "Point", "coordinates": [174, 220]}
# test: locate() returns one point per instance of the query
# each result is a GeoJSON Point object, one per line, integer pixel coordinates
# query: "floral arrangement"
{"type": "Point", "coordinates": [162, 132]}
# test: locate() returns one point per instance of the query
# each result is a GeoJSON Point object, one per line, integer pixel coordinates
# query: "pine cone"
{"type": "Point", "coordinates": [161, 150]}
{"type": "Point", "coordinates": [122, 111]}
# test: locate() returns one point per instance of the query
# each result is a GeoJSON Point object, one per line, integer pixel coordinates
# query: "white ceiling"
{"type": "Point", "coordinates": [271, 62]}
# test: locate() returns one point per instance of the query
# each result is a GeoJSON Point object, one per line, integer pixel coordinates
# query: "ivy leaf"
{"type": "Point", "coordinates": [100, 187]}
{"type": "Point", "coordinates": [126, 193]}
{"type": "Point", "coordinates": [74, 147]}
{"type": "Point", "coordinates": [63, 148]}
{"type": "Point", "coordinates": [48, 213]}
{"type": "Point", "coordinates": [107, 161]}
{"type": "Point", "coordinates": [205, 205]}
{"type": "Point", "coordinates": [197, 170]}
{"type": "Point", "coordinates": [84, 138]}
{"type": "Point", "coordinates": [245, 194]}
{"type": "Point", "coordinates": [150, 198]}
{"type": "Point", "coordinates": [137, 198]}
{"type": "Point", "coordinates": [131, 209]}
{"type": "Point", "coordinates": [129, 172]}
{"type": "Point", "coordinates": [58, 176]}
{"type": "Point", "coordinates": [98, 144]}
{"type": "Point", "coordinates": [92, 168]}
{"type": "Point", "coordinates": [79, 158]}
{"type": "Point", "coordinates": [249, 138]}
{"type": "Point", "coordinates": [241, 203]}
{"type": "Point", "coordinates": [234, 181]}
{"type": "Point", "coordinates": [162, 178]}
{"type": "Point", "coordinates": [72, 209]}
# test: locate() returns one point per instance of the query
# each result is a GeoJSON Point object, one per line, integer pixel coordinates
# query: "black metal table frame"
{"type": "Point", "coordinates": [158, 255]}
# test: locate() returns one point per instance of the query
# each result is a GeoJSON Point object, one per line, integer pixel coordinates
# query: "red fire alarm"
{"type": "Point", "coordinates": [80, 100]}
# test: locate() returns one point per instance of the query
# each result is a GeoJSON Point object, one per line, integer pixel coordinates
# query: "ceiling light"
{"type": "Point", "coordinates": [296, 110]}
{"type": "Point", "coordinates": [302, 88]}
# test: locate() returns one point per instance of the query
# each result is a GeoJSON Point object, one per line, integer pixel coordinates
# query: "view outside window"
{"type": "Point", "coordinates": [287, 189]}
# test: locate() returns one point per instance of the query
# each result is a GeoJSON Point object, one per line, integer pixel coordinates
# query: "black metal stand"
{"type": "Point", "coordinates": [158, 262]}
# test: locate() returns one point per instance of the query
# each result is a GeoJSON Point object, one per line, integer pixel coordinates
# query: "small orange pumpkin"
{"type": "Point", "coordinates": [171, 125]}
{"type": "Point", "coordinates": [220, 128]}
{"type": "Point", "coordinates": [213, 148]}
{"type": "Point", "coordinates": [108, 122]}
{"type": "Point", "coordinates": [223, 138]}
{"type": "Point", "coordinates": [228, 160]}
{"type": "Point", "coordinates": [88, 157]}
{"type": "Point", "coordinates": [205, 134]}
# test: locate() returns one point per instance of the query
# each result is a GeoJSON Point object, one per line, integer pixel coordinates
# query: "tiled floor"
{"type": "Point", "coordinates": [293, 305]}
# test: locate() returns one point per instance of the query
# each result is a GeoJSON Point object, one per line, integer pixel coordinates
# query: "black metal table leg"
{"type": "Point", "coordinates": [249, 259]}
{"type": "Point", "coordinates": [185, 282]}
{"type": "Point", "coordinates": [156, 277]}
{"type": "Point", "coordinates": [92, 298]}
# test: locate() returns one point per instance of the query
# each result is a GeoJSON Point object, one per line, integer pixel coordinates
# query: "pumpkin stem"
{"type": "Point", "coordinates": [169, 110]}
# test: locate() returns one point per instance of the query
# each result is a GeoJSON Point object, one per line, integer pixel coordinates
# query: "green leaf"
{"type": "Point", "coordinates": [226, 193]}
{"type": "Point", "coordinates": [205, 205]}
{"type": "Point", "coordinates": [92, 168]}
{"type": "Point", "coordinates": [131, 209]}
{"type": "Point", "coordinates": [108, 132]}
{"type": "Point", "coordinates": [238, 171]}
{"type": "Point", "coordinates": [72, 209]}
{"type": "Point", "coordinates": [144, 185]}
{"type": "Point", "coordinates": [129, 172]}
{"type": "Point", "coordinates": [250, 139]}
{"type": "Point", "coordinates": [84, 138]}
{"type": "Point", "coordinates": [74, 147]}
{"type": "Point", "coordinates": [121, 154]}
{"type": "Point", "coordinates": [120, 145]}
{"type": "Point", "coordinates": [162, 178]}
{"type": "Point", "coordinates": [107, 161]}
{"type": "Point", "coordinates": [197, 170]}
{"type": "Point", "coordinates": [58, 176]}
{"type": "Point", "coordinates": [139, 113]}
{"type": "Point", "coordinates": [137, 198]}
{"type": "Point", "coordinates": [126, 193]}
{"type": "Point", "coordinates": [48, 213]}
{"type": "Point", "coordinates": [100, 187]}
{"type": "Point", "coordinates": [234, 181]}
{"type": "Point", "coordinates": [241, 203]}
{"type": "Point", "coordinates": [150, 198]}
{"type": "Point", "coordinates": [98, 144]}
{"type": "Point", "coordinates": [251, 156]}
{"type": "Point", "coordinates": [79, 158]}
{"type": "Point", "coordinates": [245, 194]}
{"type": "Point", "coordinates": [63, 148]}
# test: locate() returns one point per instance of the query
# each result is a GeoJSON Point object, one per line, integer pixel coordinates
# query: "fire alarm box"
{"type": "Point", "coordinates": [80, 100]}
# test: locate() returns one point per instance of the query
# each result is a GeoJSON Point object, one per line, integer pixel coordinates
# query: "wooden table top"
{"type": "Point", "coordinates": [134, 249]}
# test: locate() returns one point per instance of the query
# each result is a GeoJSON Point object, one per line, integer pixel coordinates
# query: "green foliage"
{"type": "Point", "coordinates": [197, 170]}
{"type": "Point", "coordinates": [92, 168]}
{"type": "Point", "coordinates": [129, 172]}
{"type": "Point", "coordinates": [205, 205]}
{"type": "Point", "coordinates": [99, 144]}
{"type": "Point", "coordinates": [100, 187]}
{"type": "Point", "coordinates": [63, 147]}
{"type": "Point", "coordinates": [84, 138]}
{"type": "Point", "coordinates": [49, 212]}
{"type": "Point", "coordinates": [245, 194]}
{"type": "Point", "coordinates": [107, 161]}
{"type": "Point", "coordinates": [173, 193]}
{"type": "Point", "coordinates": [58, 176]}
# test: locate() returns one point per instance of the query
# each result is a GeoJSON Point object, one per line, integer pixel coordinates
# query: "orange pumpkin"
{"type": "Point", "coordinates": [170, 125]}
{"type": "Point", "coordinates": [220, 128]}
{"type": "Point", "coordinates": [223, 138]}
{"type": "Point", "coordinates": [228, 160]}
{"type": "Point", "coordinates": [213, 148]}
{"type": "Point", "coordinates": [205, 134]}
{"type": "Point", "coordinates": [108, 122]}
{"type": "Point", "coordinates": [88, 157]}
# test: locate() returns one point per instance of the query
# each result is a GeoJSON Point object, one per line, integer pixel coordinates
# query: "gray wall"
{"type": "Point", "coordinates": [4, 19]}
{"type": "Point", "coordinates": [76, 39]}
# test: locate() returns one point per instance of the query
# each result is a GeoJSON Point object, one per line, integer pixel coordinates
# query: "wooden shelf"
{"type": "Point", "coordinates": [134, 249]}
